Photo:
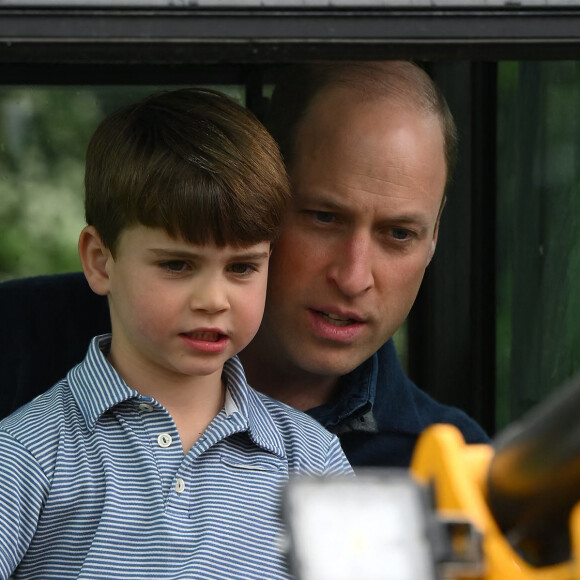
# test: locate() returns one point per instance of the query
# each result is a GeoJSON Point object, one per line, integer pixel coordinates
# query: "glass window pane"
{"type": "Point", "coordinates": [538, 232]}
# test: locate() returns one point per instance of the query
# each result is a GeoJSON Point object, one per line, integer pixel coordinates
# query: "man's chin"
{"type": "Point", "coordinates": [334, 364]}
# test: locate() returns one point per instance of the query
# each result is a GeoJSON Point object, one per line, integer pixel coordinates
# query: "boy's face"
{"type": "Point", "coordinates": [180, 310]}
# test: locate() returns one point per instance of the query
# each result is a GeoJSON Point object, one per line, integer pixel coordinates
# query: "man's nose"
{"type": "Point", "coordinates": [351, 268]}
{"type": "Point", "coordinates": [210, 295]}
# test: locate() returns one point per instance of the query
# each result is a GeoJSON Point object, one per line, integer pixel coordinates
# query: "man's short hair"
{"type": "Point", "coordinates": [191, 161]}
{"type": "Point", "coordinates": [402, 81]}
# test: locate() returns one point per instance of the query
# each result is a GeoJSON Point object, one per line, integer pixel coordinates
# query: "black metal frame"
{"type": "Point", "coordinates": [452, 325]}
{"type": "Point", "coordinates": [260, 35]}
{"type": "Point", "coordinates": [451, 329]}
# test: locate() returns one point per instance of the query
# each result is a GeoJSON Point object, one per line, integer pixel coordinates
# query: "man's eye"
{"type": "Point", "coordinates": [401, 233]}
{"type": "Point", "coordinates": [324, 216]}
{"type": "Point", "coordinates": [174, 266]}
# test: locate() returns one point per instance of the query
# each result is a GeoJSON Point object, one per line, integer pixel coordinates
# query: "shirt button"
{"type": "Point", "coordinates": [146, 407]}
{"type": "Point", "coordinates": [164, 440]}
{"type": "Point", "coordinates": [179, 485]}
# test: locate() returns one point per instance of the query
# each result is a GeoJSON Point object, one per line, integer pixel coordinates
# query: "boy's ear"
{"type": "Point", "coordinates": [94, 258]}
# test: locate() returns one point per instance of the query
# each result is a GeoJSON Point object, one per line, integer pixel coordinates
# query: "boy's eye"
{"type": "Point", "coordinates": [242, 268]}
{"type": "Point", "coordinates": [175, 266]}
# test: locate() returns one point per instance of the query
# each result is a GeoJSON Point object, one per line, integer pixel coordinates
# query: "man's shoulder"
{"type": "Point", "coordinates": [62, 314]}
{"type": "Point", "coordinates": [433, 412]}
{"type": "Point", "coordinates": [402, 405]}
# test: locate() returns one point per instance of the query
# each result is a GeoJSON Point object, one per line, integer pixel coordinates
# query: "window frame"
{"type": "Point", "coordinates": [452, 325]}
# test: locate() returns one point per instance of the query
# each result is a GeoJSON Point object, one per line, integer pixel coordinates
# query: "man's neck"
{"type": "Point", "coordinates": [285, 382]}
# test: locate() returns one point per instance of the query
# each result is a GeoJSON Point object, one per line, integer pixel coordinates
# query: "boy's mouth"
{"type": "Point", "coordinates": [206, 335]}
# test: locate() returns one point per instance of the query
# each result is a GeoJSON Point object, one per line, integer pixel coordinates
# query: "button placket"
{"type": "Point", "coordinates": [158, 427]}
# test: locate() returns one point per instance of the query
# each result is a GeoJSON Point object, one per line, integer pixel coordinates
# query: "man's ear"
{"type": "Point", "coordinates": [431, 250]}
{"type": "Point", "coordinates": [95, 257]}
{"type": "Point", "coordinates": [436, 232]}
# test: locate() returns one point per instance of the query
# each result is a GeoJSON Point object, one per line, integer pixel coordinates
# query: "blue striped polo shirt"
{"type": "Point", "coordinates": [94, 483]}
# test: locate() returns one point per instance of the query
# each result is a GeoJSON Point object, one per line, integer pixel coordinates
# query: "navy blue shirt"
{"type": "Point", "coordinates": [379, 413]}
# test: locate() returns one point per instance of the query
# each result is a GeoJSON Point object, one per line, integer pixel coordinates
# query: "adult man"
{"type": "Point", "coordinates": [369, 148]}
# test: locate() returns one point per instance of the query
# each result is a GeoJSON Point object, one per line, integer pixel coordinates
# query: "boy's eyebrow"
{"type": "Point", "coordinates": [184, 254]}
{"type": "Point", "coordinates": [252, 256]}
{"type": "Point", "coordinates": [173, 253]}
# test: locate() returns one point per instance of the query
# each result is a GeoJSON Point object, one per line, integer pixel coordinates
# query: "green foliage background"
{"type": "Point", "coordinates": [44, 132]}
{"type": "Point", "coordinates": [537, 232]}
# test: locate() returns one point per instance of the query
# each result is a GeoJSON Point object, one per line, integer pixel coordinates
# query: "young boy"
{"type": "Point", "coordinates": [153, 458]}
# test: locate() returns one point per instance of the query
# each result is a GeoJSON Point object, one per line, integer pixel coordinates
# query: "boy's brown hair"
{"type": "Point", "coordinates": [191, 161]}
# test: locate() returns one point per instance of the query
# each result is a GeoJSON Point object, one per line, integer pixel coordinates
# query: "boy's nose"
{"type": "Point", "coordinates": [210, 296]}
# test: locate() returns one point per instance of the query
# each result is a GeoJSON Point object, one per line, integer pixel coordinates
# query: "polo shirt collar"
{"type": "Point", "coordinates": [250, 406]}
{"type": "Point", "coordinates": [352, 409]}
{"type": "Point", "coordinates": [97, 387]}
{"type": "Point", "coordinates": [396, 405]}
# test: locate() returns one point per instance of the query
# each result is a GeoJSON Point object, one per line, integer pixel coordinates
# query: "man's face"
{"type": "Point", "coordinates": [368, 180]}
{"type": "Point", "coordinates": [179, 310]}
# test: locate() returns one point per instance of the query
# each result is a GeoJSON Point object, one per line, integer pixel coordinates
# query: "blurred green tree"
{"type": "Point", "coordinates": [44, 132]}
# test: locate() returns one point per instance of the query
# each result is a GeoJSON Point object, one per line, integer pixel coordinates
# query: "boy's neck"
{"type": "Point", "coordinates": [193, 411]}
{"type": "Point", "coordinates": [192, 402]}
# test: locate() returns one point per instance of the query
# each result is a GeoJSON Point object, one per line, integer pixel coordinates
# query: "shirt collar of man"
{"type": "Point", "coordinates": [375, 397]}
{"type": "Point", "coordinates": [356, 396]}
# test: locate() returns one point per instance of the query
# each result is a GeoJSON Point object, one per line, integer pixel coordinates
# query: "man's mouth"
{"type": "Point", "coordinates": [336, 319]}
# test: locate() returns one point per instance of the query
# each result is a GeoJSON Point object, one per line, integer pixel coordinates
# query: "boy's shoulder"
{"type": "Point", "coordinates": [292, 422]}
{"type": "Point", "coordinates": [263, 409]}
{"type": "Point", "coordinates": [307, 446]}
{"type": "Point", "coordinates": [43, 412]}
{"type": "Point", "coordinates": [33, 432]}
